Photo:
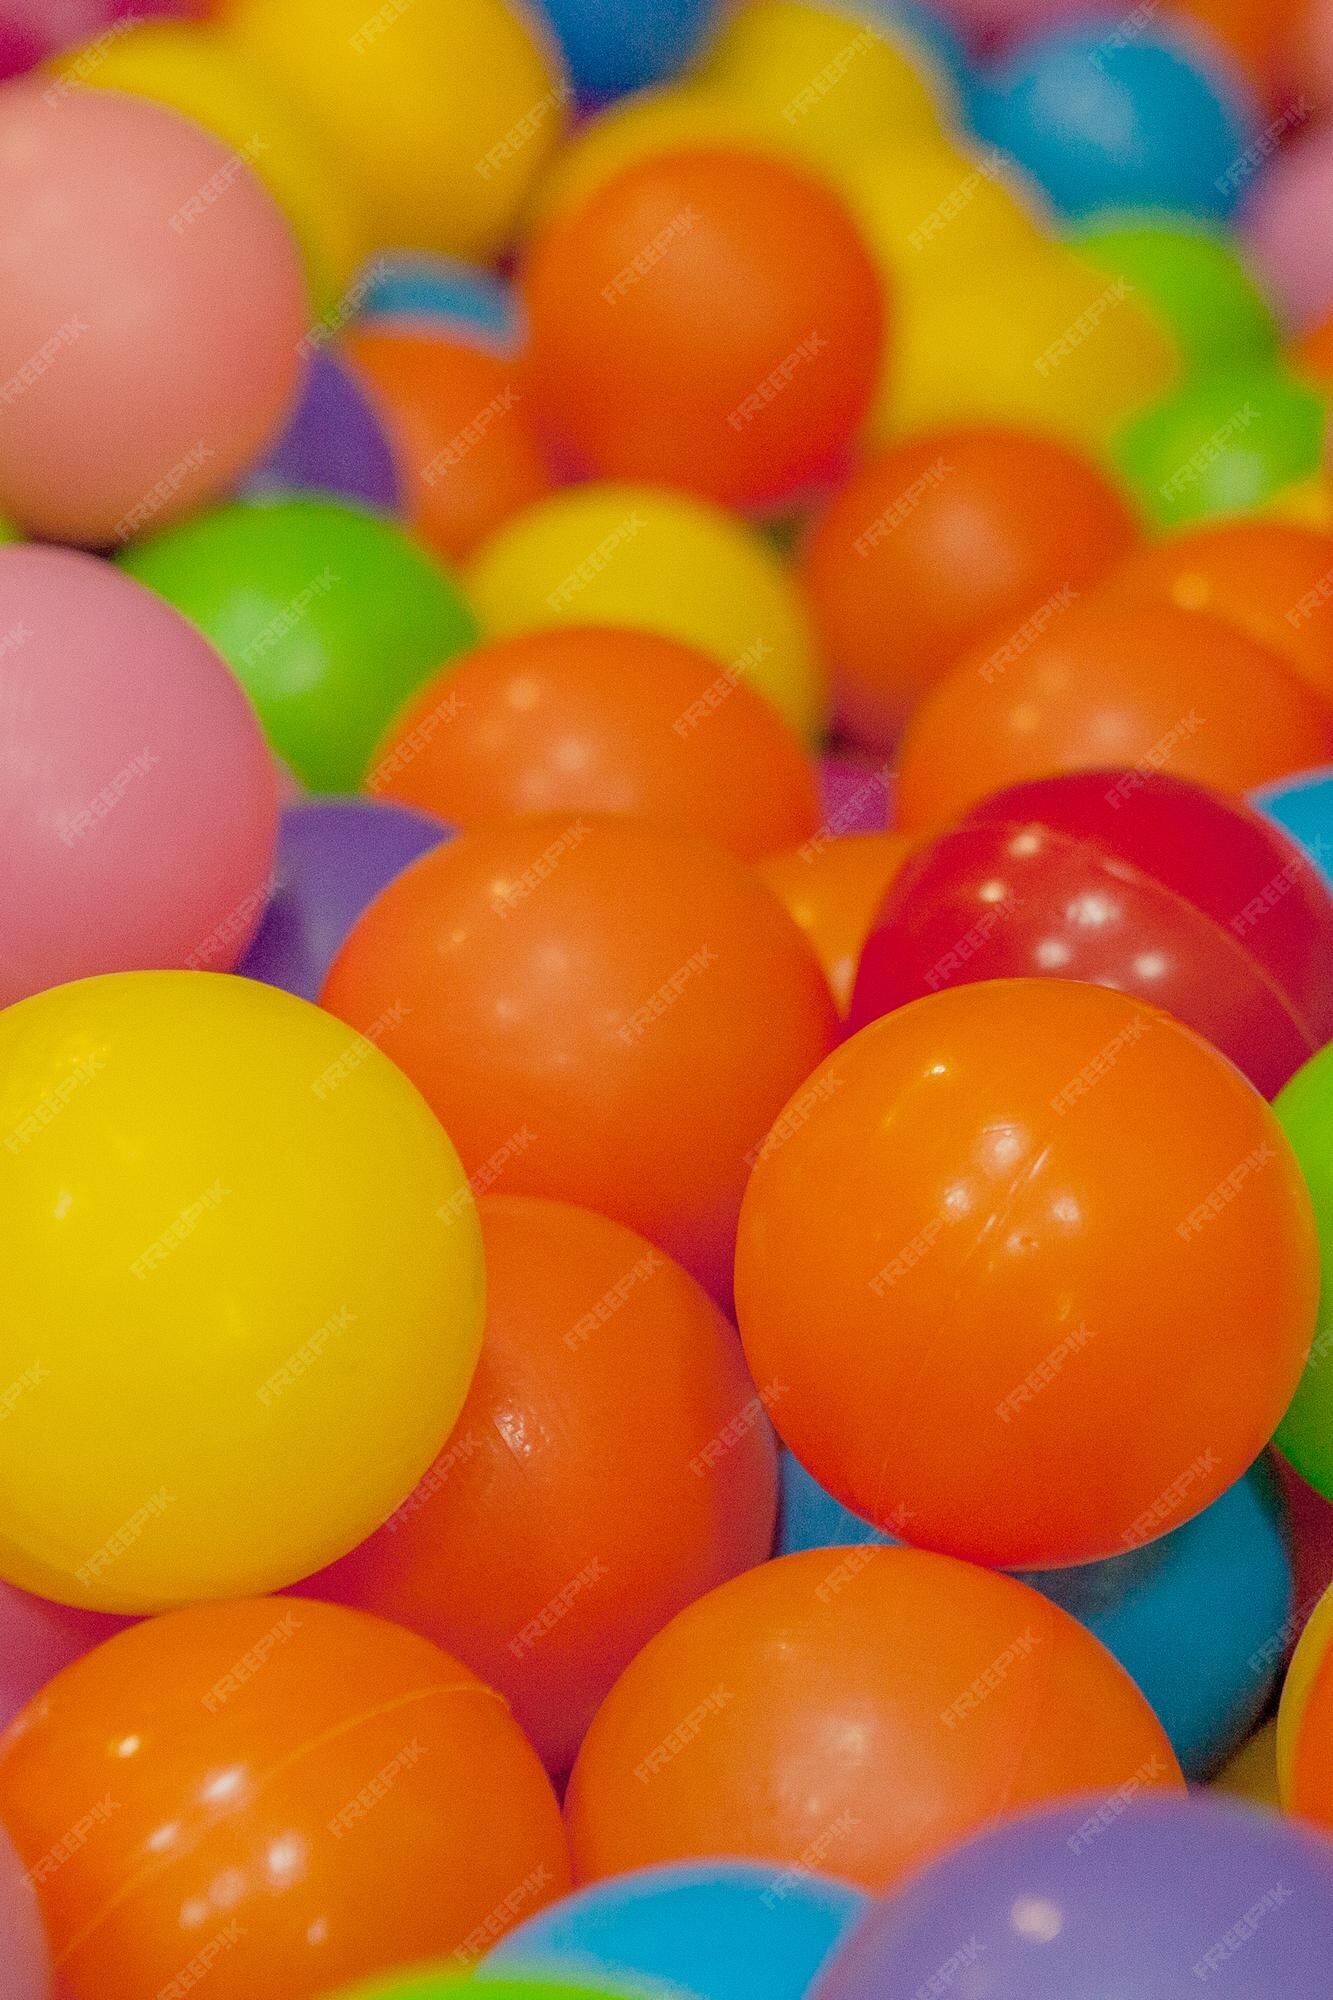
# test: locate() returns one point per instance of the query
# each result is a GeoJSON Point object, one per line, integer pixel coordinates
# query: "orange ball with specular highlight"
{"type": "Point", "coordinates": [1272, 579]}
{"type": "Point", "coordinates": [833, 885]}
{"type": "Point", "coordinates": [598, 1011]}
{"type": "Point", "coordinates": [939, 541]}
{"type": "Point", "coordinates": [1023, 1228]}
{"type": "Point", "coordinates": [710, 319]}
{"type": "Point", "coordinates": [613, 1462]}
{"type": "Point", "coordinates": [459, 422]}
{"type": "Point", "coordinates": [604, 720]}
{"type": "Point", "coordinates": [852, 1712]}
{"type": "Point", "coordinates": [1097, 683]}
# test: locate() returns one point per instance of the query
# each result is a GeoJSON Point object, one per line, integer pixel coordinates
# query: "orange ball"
{"type": "Point", "coordinates": [710, 319]}
{"type": "Point", "coordinates": [613, 1462]}
{"type": "Point", "coordinates": [833, 886]}
{"type": "Point", "coordinates": [1312, 353]}
{"type": "Point", "coordinates": [937, 543]}
{"type": "Point", "coordinates": [1308, 1784]}
{"type": "Point", "coordinates": [599, 1012]}
{"type": "Point", "coordinates": [1273, 580]}
{"type": "Point", "coordinates": [853, 1712]}
{"type": "Point", "coordinates": [459, 423]}
{"type": "Point", "coordinates": [605, 720]}
{"type": "Point", "coordinates": [1105, 683]}
{"type": "Point", "coordinates": [1019, 1266]}
{"type": "Point", "coordinates": [277, 1794]}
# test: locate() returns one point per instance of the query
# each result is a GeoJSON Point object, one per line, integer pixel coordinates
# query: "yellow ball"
{"type": "Point", "coordinates": [826, 78]}
{"type": "Point", "coordinates": [611, 554]}
{"type": "Point", "coordinates": [1039, 341]}
{"type": "Point", "coordinates": [1308, 504]}
{"type": "Point", "coordinates": [193, 70]}
{"type": "Point", "coordinates": [1252, 1772]}
{"type": "Point", "coordinates": [929, 205]}
{"type": "Point", "coordinates": [442, 111]}
{"type": "Point", "coordinates": [243, 1289]}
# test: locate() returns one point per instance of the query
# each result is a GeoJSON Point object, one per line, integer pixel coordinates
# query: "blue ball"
{"type": "Point", "coordinates": [1303, 807]}
{"type": "Point", "coordinates": [450, 296]}
{"type": "Point", "coordinates": [612, 46]}
{"type": "Point", "coordinates": [1196, 1618]}
{"type": "Point", "coordinates": [1148, 125]}
{"type": "Point", "coordinates": [717, 1930]}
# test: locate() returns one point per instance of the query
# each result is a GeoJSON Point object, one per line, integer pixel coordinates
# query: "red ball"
{"type": "Point", "coordinates": [1150, 884]}
{"type": "Point", "coordinates": [710, 319]}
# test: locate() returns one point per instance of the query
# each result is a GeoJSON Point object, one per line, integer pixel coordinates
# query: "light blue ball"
{"type": "Point", "coordinates": [1152, 124]}
{"type": "Point", "coordinates": [449, 296]}
{"type": "Point", "coordinates": [612, 46]}
{"type": "Point", "coordinates": [718, 1930]}
{"type": "Point", "coordinates": [1197, 1618]}
{"type": "Point", "coordinates": [1303, 805]}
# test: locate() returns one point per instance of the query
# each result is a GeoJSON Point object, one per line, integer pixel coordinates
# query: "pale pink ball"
{"type": "Point", "coordinates": [138, 798]}
{"type": "Point", "coordinates": [25, 1961]}
{"type": "Point", "coordinates": [1287, 228]}
{"type": "Point", "coordinates": [151, 308]}
{"type": "Point", "coordinates": [38, 1639]}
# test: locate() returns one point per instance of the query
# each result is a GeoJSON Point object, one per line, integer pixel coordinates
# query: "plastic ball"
{"type": "Point", "coordinates": [930, 203]}
{"type": "Point", "coordinates": [536, 1547]}
{"type": "Point", "coordinates": [194, 71]}
{"type": "Point", "coordinates": [1132, 1895]}
{"type": "Point", "coordinates": [460, 420]}
{"type": "Point", "coordinates": [833, 885]}
{"type": "Point", "coordinates": [1306, 1433]}
{"type": "Point", "coordinates": [444, 295]}
{"type": "Point", "coordinates": [1191, 277]}
{"type": "Point", "coordinates": [614, 46]}
{"type": "Point", "coordinates": [25, 1961]}
{"type": "Point", "coordinates": [1122, 1233]}
{"type": "Point", "coordinates": [631, 1068]}
{"type": "Point", "coordinates": [441, 116]}
{"type": "Point", "coordinates": [1303, 807]}
{"type": "Point", "coordinates": [937, 543]}
{"type": "Point", "coordinates": [1158, 123]}
{"type": "Point", "coordinates": [650, 360]}
{"type": "Point", "coordinates": [153, 306]}
{"type": "Point", "coordinates": [1301, 1758]}
{"type": "Point", "coordinates": [1177, 895]}
{"type": "Point", "coordinates": [761, 1722]}
{"type": "Point", "coordinates": [1035, 341]}
{"type": "Point", "coordinates": [1272, 579]}
{"type": "Point", "coordinates": [607, 554]}
{"type": "Point", "coordinates": [858, 793]}
{"type": "Point", "coordinates": [714, 1931]}
{"type": "Point", "coordinates": [1225, 443]}
{"type": "Point", "coordinates": [601, 719]}
{"type": "Point", "coordinates": [335, 444]}
{"type": "Point", "coordinates": [334, 857]}
{"type": "Point", "coordinates": [138, 804]}
{"type": "Point", "coordinates": [1205, 1653]}
{"type": "Point", "coordinates": [1285, 227]}
{"type": "Point", "coordinates": [1252, 1773]}
{"type": "Point", "coordinates": [329, 616]}
{"type": "Point", "coordinates": [299, 1795]}
{"type": "Point", "coordinates": [37, 1639]}
{"type": "Point", "coordinates": [1141, 687]}
{"type": "Point", "coordinates": [230, 1269]}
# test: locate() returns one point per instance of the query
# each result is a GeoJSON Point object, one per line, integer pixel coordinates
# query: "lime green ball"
{"type": "Point", "coordinates": [1224, 443]}
{"type": "Point", "coordinates": [1305, 1111]}
{"type": "Point", "coordinates": [8, 534]}
{"type": "Point", "coordinates": [1191, 278]}
{"type": "Point", "coordinates": [447, 1986]}
{"type": "Point", "coordinates": [329, 616]}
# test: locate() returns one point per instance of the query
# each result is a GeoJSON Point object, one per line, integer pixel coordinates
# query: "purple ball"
{"type": "Point", "coordinates": [1128, 1896]}
{"type": "Point", "coordinates": [857, 792]}
{"type": "Point", "coordinates": [334, 444]}
{"type": "Point", "coordinates": [334, 857]}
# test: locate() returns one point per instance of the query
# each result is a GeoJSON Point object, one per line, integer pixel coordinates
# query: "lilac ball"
{"type": "Point", "coordinates": [334, 444]}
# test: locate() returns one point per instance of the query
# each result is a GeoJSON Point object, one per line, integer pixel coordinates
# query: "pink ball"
{"type": "Point", "coordinates": [38, 1639]}
{"type": "Point", "coordinates": [138, 798]}
{"type": "Point", "coordinates": [1287, 228]}
{"type": "Point", "coordinates": [25, 1962]}
{"type": "Point", "coordinates": [151, 308]}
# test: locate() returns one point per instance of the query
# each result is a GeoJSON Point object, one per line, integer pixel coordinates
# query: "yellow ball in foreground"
{"type": "Point", "coordinates": [442, 112]}
{"type": "Point", "coordinates": [659, 561]}
{"type": "Point", "coordinates": [243, 1289]}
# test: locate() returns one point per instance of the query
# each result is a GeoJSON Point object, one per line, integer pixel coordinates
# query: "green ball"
{"type": "Point", "coordinates": [329, 616]}
{"type": "Point", "coordinates": [1224, 443]}
{"type": "Point", "coordinates": [1190, 278]}
{"type": "Point", "coordinates": [8, 534]}
{"type": "Point", "coordinates": [1305, 1112]}
{"type": "Point", "coordinates": [449, 1986]}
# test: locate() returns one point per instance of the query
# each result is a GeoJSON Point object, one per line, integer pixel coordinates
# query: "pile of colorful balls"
{"type": "Point", "coordinates": [666, 999]}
